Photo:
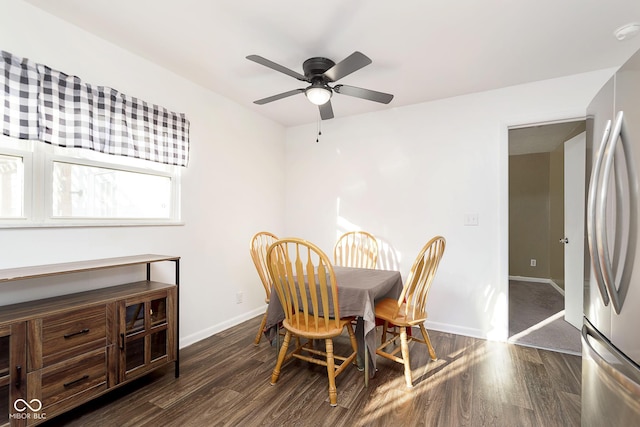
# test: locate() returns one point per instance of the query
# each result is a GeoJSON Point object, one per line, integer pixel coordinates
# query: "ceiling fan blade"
{"type": "Point", "coordinates": [370, 95]}
{"type": "Point", "coordinates": [263, 61]}
{"type": "Point", "coordinates": [326, 111]}
{"type": "Point", "coordinates": [278, 96]}
{"type": "Point", "coordinates": [351, 63]}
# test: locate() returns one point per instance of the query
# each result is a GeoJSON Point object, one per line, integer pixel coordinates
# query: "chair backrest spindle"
{"type": "Point", "coordinates": [305, 282]}
{"type": "Point", "coordinates": [356, 249]}
{"type": "Point", "coordinates": [258, 246]}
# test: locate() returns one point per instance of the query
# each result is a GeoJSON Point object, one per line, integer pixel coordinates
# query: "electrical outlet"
{"type": "Point", "coordinates": [533, 262]}
{"type": "Point", "coordinates": [239, 296]}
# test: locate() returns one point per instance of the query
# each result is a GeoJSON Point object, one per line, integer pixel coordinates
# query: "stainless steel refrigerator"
{"type": "Point", "coordinates": [611, 330]}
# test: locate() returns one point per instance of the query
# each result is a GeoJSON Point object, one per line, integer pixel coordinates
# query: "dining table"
{"type": "Point", "coordinates": [358, 291]}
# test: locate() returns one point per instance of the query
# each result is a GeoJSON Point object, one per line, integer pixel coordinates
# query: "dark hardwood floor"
{"type": "Point", "coordinates": [224, 381]}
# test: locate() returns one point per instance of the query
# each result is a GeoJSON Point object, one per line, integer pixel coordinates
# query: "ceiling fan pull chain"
{"type": "Point", "coordinates": [319, 129]}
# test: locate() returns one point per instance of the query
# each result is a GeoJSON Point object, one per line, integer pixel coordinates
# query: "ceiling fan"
{"type": "Point", "coordinates": [320, 73]}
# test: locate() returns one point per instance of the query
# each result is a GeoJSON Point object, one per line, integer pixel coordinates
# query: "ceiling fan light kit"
{"type": "Point", "coordinates": [319, 72]}
{"type": "Point", "coordinates": [318, 94]}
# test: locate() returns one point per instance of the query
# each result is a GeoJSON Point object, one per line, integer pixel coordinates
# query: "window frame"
{"type": "Point", "coordinates": [27, 183]}
{"type": "Point", "coordinates": [38, 159]}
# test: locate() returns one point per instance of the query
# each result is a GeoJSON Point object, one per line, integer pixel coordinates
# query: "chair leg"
{"type": "Point", "coordinates": [331, 372]}
{"type": "Point", "coordinates": [261, 329]}
{"type": "Point", "coordinates": [281, 355]}
{"type": "Point", "coordinates": [404, 346]}
{"type": "Point", "coordinates": [385, 325]}
{"type": "Point", "coordinates": [354, 341]}
{"type": "Point", "coordinates": [425, 336]}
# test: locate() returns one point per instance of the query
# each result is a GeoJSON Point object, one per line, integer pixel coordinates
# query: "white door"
{"type": "Point", "coordinates": [574, 211]}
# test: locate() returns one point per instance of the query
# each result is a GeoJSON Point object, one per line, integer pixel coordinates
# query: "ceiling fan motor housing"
{"type": "Point", "coordinates": [315, 67]}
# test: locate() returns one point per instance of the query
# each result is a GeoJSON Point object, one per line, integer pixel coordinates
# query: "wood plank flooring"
{"type": "Point", "coordinates": [224, 381]}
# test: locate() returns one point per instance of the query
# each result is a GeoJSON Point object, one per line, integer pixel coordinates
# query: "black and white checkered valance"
{"type": "Point", "coordinates": [71, 113]}
{"type": "Point", "coordinates": [19, 97]}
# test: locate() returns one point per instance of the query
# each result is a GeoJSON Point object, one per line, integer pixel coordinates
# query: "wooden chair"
{"type": "Point", "coordinates": [305, 282]}
{"type": "Point", "coordinates": [258, 246]}
{"type": "Point", "coordinates": [356, 249]}
{"type": "Point", "coordinates": [410, 308]}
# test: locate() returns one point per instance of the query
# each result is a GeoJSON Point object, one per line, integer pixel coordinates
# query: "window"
{"type": "Point", "coordinates": [76, 187]}
{"type": "Point", "coordinates": [82, 191]}
{"type": "Point", "coordinates": [122, 167]}
{"type": "Point", "coordinates": [11, 186]}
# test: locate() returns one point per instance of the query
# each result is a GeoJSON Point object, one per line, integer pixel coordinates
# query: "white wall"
{"type": "Point", "coordinates": [410, 173]}
{"type": "Point", "coordinates": [233, 186]}
{"type": "Point", "coordinates": [404, 174]}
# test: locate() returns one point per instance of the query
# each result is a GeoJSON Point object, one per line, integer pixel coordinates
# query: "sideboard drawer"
{"type": "Point", "coordinates": [63, 380]}
{"type": "Point", "coordinates": [76, 328]}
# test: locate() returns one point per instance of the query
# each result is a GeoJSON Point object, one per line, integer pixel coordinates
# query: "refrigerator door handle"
{"type": "Point", "coordinates": [628, 383]}
{"type": "Point", "coordinates": [601, 235]}
{"type": "Point", "coordinates": [591, 215]}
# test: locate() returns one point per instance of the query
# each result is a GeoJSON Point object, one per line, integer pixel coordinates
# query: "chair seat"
{"type": "Point", "coordinates": [386, 310]}
{"type": "Point", "coordinates": [297, 326]}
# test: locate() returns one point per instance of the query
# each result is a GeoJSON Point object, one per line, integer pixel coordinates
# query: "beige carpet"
{"type": "Point", "coordinates": [536, 318]}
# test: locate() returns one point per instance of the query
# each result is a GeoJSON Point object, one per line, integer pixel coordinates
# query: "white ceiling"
{"type": "Point", "coordinates": [421, 50]}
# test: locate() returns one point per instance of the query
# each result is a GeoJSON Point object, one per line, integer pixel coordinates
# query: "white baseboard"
{"type": "Point", "coordinates": [530, 279]}
{"type": "Point", "coordinates": [206, 333]}
{"type": "Point", "coordinates": [538, 280]}
{"type": "Point", "coordinates": [453, 329]}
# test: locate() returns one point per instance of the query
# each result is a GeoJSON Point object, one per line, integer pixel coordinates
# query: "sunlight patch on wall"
{"type": "Point", "coordinates": [497, 307]}
{"type": "Point", "coordinates": [388, 257]}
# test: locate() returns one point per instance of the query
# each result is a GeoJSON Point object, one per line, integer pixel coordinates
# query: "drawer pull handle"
{"type": "Point", "coordinates": [70, 383]}
{"type": "Point", "coordinates": [84, 331]}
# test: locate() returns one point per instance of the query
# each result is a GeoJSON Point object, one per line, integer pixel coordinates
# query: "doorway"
{"type": "Point", "coordinates": [537, 293]}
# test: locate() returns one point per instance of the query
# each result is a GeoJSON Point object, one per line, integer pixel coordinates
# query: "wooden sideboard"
{"type": "Point", "coordinates": [58, 353]}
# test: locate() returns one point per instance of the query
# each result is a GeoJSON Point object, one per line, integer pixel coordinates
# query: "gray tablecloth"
{"type": "Point", "coordinates": [358, 291]}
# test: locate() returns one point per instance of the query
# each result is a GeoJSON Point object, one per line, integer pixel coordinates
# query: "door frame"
{"type": "Point", "coordinates": [501, 330]}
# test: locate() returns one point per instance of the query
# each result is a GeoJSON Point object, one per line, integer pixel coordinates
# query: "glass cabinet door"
{"type": "Point", "coordinates": [158, 339]}
{"type": "Point", "coordinates": [134, 335]}
{"type": "Point", "coordinates": [145, 340]}
{"type": "Point", "coordinates": [12, 373]}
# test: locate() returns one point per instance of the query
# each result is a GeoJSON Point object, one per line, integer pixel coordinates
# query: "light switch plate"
{"type": "Point", "coordinates": [471, 219]}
